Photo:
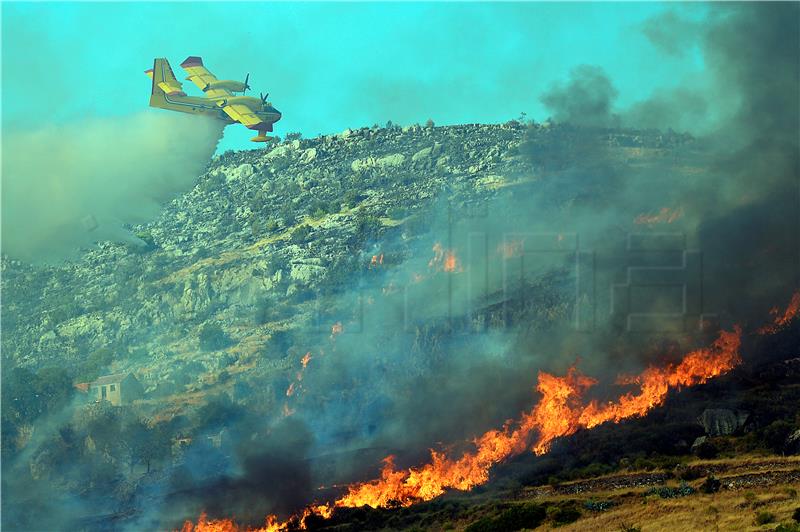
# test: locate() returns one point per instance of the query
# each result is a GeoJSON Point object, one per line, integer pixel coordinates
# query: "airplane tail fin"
{"type": "Point", "coordinates": [164, 83]}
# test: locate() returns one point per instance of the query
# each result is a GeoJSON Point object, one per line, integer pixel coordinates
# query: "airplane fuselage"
{"type": "Point", "coordinates": [219, 103]}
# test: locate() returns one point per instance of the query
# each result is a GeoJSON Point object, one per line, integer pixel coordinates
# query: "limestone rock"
{"type": "Point", "coordinates": [421, 155]}
{"type": "Point", "coordinates": [242, 171]}
{"type": "Point", "coordinates": [308, 156]}
{"type": "Point", "coordinates": [792, 445]}
{"type": "Point", "coordinates": [721, 421]}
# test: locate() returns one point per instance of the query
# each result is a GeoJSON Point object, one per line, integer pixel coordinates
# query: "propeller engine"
{"type": "Point", "coordinates": [229, 84]}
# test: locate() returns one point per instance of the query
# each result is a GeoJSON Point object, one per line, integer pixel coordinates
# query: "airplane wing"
{"type": "Point", "coordinates": [243, 114]}
{"type": "Point", "coordinates": [200, 76]}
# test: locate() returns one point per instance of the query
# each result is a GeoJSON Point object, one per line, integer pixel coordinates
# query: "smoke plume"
{"type": "Point", "coordinates": [69, 186]}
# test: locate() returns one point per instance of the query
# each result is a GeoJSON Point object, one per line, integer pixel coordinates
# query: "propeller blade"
{"type": "Point", "coordinates": [246, 79]}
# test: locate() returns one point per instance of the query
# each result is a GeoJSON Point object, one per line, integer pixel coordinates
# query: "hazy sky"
{"type": "Point", "coordinates": [327, 66]}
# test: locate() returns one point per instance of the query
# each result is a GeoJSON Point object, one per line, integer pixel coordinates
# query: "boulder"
{"type": "Point", "coordinates": [792, 445]}
{"type": "Point", "coordinates": [422, 155]}
{"type": "Point", "coordinates": [698, 442]}
{"type": "Point", "coordinates": [721, 421]}
{"type": "Point", "coordinates": [307, 270]}
{"type": "Point", "coordinates": [389, 161]}
{"type": "Point", "coordinates": [310, 155]}
{"type": "Point", "coordinates": [242, 171]}
{"type": "Point", "coordinates": [703, 448]}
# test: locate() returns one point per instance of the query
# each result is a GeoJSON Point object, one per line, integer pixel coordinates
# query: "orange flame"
{"type": "Point", "coordinates": [377, 260]}
{"type": "Point", "coordinates": [444, 259]}
{"type": "Point", "coordinates": [560, 412]}
{"type": "Point", "coordinates": [306, 359]}
{"type": "Point", "coordinates": [780, 320]}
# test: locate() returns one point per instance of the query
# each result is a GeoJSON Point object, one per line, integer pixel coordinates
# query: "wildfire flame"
{"type": "Point", "coordinates": [561, 411]}
{"type": "Point", "coordinates": [780, 320]}
{"type": "Point", "coordinates": [444, 260]}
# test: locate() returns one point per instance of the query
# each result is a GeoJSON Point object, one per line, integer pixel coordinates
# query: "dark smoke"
{"type": "Point", "coordinates": [587, 99]}
{"type": "Point", "coordinates": [440, 360]}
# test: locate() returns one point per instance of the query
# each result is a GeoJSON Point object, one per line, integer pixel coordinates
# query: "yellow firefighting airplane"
{"type": "Point", "coordinates": [219, 101]}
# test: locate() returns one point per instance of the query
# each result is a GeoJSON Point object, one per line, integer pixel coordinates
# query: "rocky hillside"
{"type": "Point", "coordinates": [220, 304]}
{"type": "Point", "coordinates": [231, 267]}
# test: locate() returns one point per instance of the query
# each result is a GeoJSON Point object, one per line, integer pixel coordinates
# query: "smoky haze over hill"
{"type": "Point", "coordinates": [67, 187]}
{"type": "Point", "coordinates": [337, 299]}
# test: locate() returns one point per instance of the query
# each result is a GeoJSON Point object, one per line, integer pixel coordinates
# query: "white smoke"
{"type": "Point", "coordinates": [67, 186]}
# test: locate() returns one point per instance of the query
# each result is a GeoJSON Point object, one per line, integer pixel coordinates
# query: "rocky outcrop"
{"type": "Point", "coordinates": [792, 445]}
{"type": "Point", "coordinates": [262, 230]}
{"type": "Point", "coordinates": [721, 421]}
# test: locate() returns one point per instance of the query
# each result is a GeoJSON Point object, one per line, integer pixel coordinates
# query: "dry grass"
{"type": "Point", "coordinates": [726, 510]}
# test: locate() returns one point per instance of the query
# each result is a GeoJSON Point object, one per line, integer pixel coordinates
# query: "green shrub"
{"type": "Point", "coordinates": [667, 492]}
{"type": "Point", "coordinates": [368, 227]}
{"type": "Point", "coordinates": [563, 515]}
{"type": "Point", "coordinates": [396, 213]}
{"type": "Point", "coordinates": [351, 198]}
{"type": "Point", "coordinates": [710, 485]}
{"type": "Point", "coordinates": [788, 527]}
{"type": "Point", "coordinates": [147, 238]}
{"type": "Point", "coordinates": [643, 463]}
{"type": "Point", "coordinates": [300, 235]}
{"type": "Point", "coordinates": [763, 518]}
{"type": "Point", "coordinates": [775, 434]}
{"type": "Point", "coordinates": [516, 517]}
{"type": "Point", "coordinates": [598, 506]}
{"type": "Point", "coordinates": [96, 364]}
{"type": "Point", "coordinates": [271, 225]}
{"type": "Point", "coordinates": [213, 338]}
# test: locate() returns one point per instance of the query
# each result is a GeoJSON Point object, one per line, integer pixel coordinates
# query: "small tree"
{"type": "Point", "coordinates": [213, 338]}
{"type": "Point", "coordinates": [142, 444]}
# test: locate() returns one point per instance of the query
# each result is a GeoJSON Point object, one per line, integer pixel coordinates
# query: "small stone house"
{"type": "Point", "coordinates": [117, 389]}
